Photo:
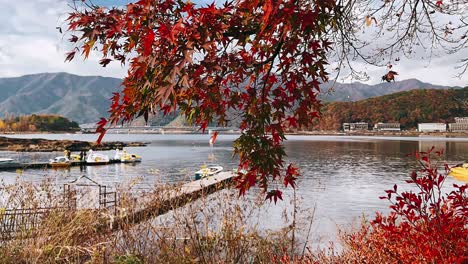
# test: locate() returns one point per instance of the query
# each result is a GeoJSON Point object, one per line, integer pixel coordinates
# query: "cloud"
{"type": "Point", "coordinates": [30, 43]}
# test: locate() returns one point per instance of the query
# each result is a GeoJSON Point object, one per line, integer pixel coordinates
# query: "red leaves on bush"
{"type": "Point", "coordinates": [423, 227]}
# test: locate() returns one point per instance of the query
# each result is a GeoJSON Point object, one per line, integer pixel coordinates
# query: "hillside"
{"type": "Point", "coordinates": [79, 98]}
{"type": "Point", "coordinates": [350, 92]}
{"type": "Point", "coordinates": [407, 108]}
{"type": "Point", "coordinates": [85, 99]}
{"type": "Point", "coordinates": [34, 123]}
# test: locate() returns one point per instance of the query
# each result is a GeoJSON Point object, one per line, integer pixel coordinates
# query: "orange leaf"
{"type": "Point", "coordinates": [87, 47]}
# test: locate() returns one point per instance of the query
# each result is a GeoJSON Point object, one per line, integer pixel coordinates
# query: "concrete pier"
{"type": "Point", "coordinates": [172, 199]}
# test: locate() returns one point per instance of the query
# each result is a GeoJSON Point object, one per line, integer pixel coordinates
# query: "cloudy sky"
{"type": "Point", "coordinates": [30, 43]}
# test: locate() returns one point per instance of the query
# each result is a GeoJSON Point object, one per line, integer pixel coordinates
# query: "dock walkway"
{"type": "Point", "coordinates": [13, 221]}
{"type": "Point", "coordinates": [171, 199]}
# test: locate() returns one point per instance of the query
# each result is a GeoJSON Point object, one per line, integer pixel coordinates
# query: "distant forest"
{"type": "Point", "coordinates": [37, 123]}
{"type": "Point", "coordinates": [408, 108]}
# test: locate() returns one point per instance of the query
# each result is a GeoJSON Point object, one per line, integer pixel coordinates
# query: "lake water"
{"type": "Point", "coordinates": [342, 176]}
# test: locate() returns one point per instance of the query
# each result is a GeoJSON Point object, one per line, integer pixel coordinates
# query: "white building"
{"type": "Point", "coordinates": [387, 126]}
{"type": "Point", "coordinates": [460, 125]}
{"type": "Point", "coordinates": [355, 126]}
{"type": "Point", "coordinates": [432, 127]}
{"type": "Point", "coordinates": [461, 120]}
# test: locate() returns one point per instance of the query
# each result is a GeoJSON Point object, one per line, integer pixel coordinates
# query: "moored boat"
{"type": "Point", "coordinates": [208, 171]}
{"type": "Point", "coordinates": [75, 158]}
{"type": "Point", "coordinates": [460, 172]}
{"type": "Point", "coordinates": [97, 158]}
{"type": "Point", "coordinates": [129, 158]}
{"type": "Point", "coordinates": [6, 161]}
{"type": "Point", "coordinates": [125, 157]}
{"type": "Point", "coordinates": [60, 162]}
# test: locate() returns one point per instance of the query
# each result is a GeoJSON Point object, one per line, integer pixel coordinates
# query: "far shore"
{"type": "Point", "coordinates": [45, 145]}
{"type": "Point", "coordinates": [404, 133]}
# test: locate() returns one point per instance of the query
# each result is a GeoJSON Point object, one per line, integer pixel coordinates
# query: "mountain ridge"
{"type": "Point", "coordinates": [85, 99]}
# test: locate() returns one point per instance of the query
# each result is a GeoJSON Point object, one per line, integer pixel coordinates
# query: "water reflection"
{"type": "Point", "coordinates": [342, 177]}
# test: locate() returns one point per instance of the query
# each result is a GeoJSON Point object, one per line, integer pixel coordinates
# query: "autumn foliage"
{"type": "Point", "coordinates": [407, 108]}
{"type": "Point", "coordinates": [259, 61]}
{"type": "Point", "coordinates": [40, 122]}
{"type": "Point", "coordinates": [424, 226]}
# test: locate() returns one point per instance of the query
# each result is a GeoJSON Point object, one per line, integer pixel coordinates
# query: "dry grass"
{"type": "Point", "coordinates": [215, 228]}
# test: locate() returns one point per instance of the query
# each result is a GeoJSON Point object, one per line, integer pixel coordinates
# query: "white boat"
{"type": "Point", "coordinates": [61, 161]}
{"type": "Point", "coordinates": [208, 171]}
{"type": "Point", "coordinates": [97, 158]}
{"type": "Point", "coordinates": [6, 161]}
{"type": "Point", "coordinates": [125, 157]}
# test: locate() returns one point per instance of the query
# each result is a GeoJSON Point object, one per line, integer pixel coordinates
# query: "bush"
{"type": "Point", "coordinates": [423, 227]}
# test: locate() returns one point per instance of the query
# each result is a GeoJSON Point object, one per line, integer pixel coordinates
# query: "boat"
{"type": "Point", "coordinates": [75, 158]}
{"type": "Point", "coordinates": [208, 171]}
{"type": "Point", "coordinates": [129, 158]}
{"type": "Point", "coordinates": [60, 162]}
{"type": "Point", "coordinates": [97, 158]}
{"type": "Point", "coordinates": [125, 157]}
{"type": "Point", "coordinates": [460, 172]}
{"type": "Point", "coordinates": [6, 161]}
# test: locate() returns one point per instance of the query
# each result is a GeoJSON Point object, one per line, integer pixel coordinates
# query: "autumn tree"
{"type": "Point", "coordinates": [383, 33]}
{"type": "Point", "coordinates": [260, 61]}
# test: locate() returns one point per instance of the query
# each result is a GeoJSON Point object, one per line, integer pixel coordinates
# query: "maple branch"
{"type": "Point", "coordinates": [273, 56]}
{"type": "Point", "coordinates": [242, 34]}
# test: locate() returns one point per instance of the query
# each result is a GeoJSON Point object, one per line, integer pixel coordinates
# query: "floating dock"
{"type": "Point", "coordinates": [46, 165]}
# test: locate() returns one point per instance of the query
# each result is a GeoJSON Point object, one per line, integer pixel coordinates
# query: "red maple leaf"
{"type": "Point", "coordinates": [275, 195]}
{"type": "Point", "coordinates": [148, 42]}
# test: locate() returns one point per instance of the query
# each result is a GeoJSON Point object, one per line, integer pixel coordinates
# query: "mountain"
{"type": "Point", "coordinates": [80, 98]}
{"type": "Point", "coordinates": [85, 99]}
{"type": "Point", "coordinates": [349, 92]}
{"type": "Point", "coordinates": [407, 108]}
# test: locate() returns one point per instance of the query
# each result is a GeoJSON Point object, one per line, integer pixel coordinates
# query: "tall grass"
{"type": "Point", "coordinates": [224, 228]}
{"type": "Point", "coordinates": [216, 228]}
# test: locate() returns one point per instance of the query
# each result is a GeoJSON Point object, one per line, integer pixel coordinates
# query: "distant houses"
{"type": "Point", "coordinates": [387, 126]}
{"type": "Point", "coordinates": [460, 125]}
{"type": "Point", "coordinates": [360, 126]}
{"type": "Point", "coordinates": [432, 127]}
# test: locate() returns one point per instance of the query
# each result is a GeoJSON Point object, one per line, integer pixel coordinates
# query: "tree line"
{"type": "Point", "coordinates": [407, 108]}
{"type": "Point", "coordinates": [37, 123]}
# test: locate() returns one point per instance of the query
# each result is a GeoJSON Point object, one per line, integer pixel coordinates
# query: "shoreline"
{"type": "Point", "coordinates": [369, 133]}
{"type": "Point", "coordinates": [47, 145]}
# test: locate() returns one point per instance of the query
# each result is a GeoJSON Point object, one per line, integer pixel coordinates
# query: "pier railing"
{"type": "Point", "coordinates": [24, 222]}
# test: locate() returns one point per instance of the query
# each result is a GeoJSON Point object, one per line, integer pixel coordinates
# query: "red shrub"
{"type": "Point", "coordinates": [425, 226]}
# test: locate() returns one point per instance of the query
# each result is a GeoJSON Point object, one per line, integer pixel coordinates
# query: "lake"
{"type": "Point", "coordinates": [342, 176]}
